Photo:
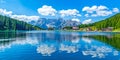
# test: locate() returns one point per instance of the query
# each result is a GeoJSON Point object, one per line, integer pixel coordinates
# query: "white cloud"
{"type": "Point", "coordinates": [99, 10]}
{"type": "Point", "coordinates": [94, 8]}
{"type": "Point", "coordinates": [25, 18]}
{"type": "Point", "coordinates": [47, 10]}
{"type": "Point", "coordinates": [75, 19]}
{"type": "Point", "coordinates": [94, 15]}
{"type": "Point", "coordinates": [19, 17]}
{"type": "Point", "coordinates": [115, 10]}
{"type": "Point", "coordinates": [87, 21]}
{"type": "Point", "coordinates": [89, 9]}
{"type": "Point", "coordinates": [69, 12]}
{"type": "Point", "coordinates": [86, 15]}
{"type": "Point", "coordinates": [5, 12]}
{"type": "Point", "coordinates": [102, 13]}
{"type": "Point", "coordinates": [50, 11]}
{"type": "Point", "coordinates": [101, 7]}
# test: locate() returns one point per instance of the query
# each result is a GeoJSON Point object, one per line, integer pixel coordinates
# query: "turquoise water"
{"type": "Point", "coordinates": [59, 45]}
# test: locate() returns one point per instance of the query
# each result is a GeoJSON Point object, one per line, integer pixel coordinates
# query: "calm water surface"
{"type": "Point", "coordinates": [56, 45]}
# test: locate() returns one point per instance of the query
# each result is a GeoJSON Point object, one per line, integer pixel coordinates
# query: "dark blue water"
{"type": "Point", "coordinates": [59, 45]}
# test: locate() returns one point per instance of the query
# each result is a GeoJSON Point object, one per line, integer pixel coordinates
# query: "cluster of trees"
{"type": "Point", "coordinates": [68, 27]}
{"type": "Point", "coordinates": [85, 25]}
{"type": "Point", "coordinates": [7, 23]}
{"type": "Point", "coordinates": [113, 21]}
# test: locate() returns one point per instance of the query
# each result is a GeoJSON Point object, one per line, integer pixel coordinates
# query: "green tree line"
{"type": "Point", "coordinates": [7, 23]}
{"type": "Point", "coordinates": [113, 21]}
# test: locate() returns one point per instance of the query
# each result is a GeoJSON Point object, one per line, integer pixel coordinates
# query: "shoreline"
{"type": "Point", "coordinates": [86, 31]}
{"type": "Point", "coordinates": [58, 30]}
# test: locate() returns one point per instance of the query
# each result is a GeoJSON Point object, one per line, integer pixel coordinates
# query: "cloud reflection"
{"type": "Point", "coordinates": [115, 53]}
{"type": "Point", "coordinates": [87, 40]}
{"type": "Point", "coordinates": [68, 48]}
{"type": "Point", "coordinates": [96, 51]}
{"type": "Point", "coordinates": [49, 43]}
{"type": "Point", "coordinates": [17, 41]}
{"type": "Point", "coordinates": [3, 47]}
{"type": "Point", "coordinates": [46, 50]}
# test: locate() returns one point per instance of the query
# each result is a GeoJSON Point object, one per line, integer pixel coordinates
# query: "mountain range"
{"type": "Point", "coordinates": [54, 23]}
{"type": "Point", "coordinates": [7, 23]}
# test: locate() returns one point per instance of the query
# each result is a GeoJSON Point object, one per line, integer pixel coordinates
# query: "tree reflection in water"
{"type": "Point", "coordinates": [89, 44]}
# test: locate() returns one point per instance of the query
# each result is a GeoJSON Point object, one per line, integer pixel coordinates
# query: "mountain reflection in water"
{"type": "Point", "coordinates": [69, 45]}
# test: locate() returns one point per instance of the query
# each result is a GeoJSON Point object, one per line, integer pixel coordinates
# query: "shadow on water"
{"type": "Point", "coordinates": [112, 40]}
{"type": "Point", "coordinates": [7, 38]}
{"type": "Point", "coordinates": [9, 35]}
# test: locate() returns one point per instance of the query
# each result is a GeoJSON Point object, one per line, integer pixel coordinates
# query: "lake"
{"type": "Point", "coordinates": [59, 45]}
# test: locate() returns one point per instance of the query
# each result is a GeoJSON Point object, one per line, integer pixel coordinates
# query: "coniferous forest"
{"type": "Point", "coordinates": [113, 22]}
{"type": "Point", "coordinates": [9, 24]}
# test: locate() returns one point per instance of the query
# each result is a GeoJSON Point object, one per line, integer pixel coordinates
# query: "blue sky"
{"type": "Point", "coordinates": [90, 10]}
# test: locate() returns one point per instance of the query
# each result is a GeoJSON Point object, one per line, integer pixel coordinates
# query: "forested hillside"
{"type": "Point", "coordinates": [7, 23]}
{"type": "Point", "coordinates": [113, 22]}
